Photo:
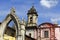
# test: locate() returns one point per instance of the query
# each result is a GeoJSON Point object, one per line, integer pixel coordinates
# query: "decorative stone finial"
{"type": "Point", "coordinates": [23, 22]}
{"type": "Point", "coordinates": [12, 10]}
{"type": "Point", "coordinates": [32, 9]}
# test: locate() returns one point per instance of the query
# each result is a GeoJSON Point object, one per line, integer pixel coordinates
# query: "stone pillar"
{"type": "Point", "coordinates": [23, 29]}
{"type": "Point", "coordinates": [1, 36]}
{"type": "Point", "coordinates": [1, 33]}
{"type": "Point", "coordinates": [19, 37]}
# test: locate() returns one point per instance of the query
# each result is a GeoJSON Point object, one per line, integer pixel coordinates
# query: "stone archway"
{"type": "Point", "coordinates": [8, 19]}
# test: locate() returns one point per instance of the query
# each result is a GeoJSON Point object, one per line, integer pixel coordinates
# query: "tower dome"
{"type": "Point", "coordinates": [32, 11]}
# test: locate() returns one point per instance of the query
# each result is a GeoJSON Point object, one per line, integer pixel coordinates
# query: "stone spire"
{"type": "Point", "coordinates": [12, 11]}
{"type": "Point", "coordinates": [23, 21]}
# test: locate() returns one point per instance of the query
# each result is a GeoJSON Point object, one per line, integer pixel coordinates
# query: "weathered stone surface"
{"type": "Point", "coordinates": [8, 19]}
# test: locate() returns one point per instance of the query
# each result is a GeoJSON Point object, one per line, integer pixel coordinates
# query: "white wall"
{"type": "Point", "coordinates": [57, 33]}
{"type": "Point", "coordinates": [30, 31]}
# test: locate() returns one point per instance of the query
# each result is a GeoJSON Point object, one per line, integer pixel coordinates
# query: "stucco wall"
{"type": "Point", "coordinates": [30, 31]}
{"type": "Point", "coordinates": [42, 34]}
{"type": "Point", "coordinates": [57, 33]}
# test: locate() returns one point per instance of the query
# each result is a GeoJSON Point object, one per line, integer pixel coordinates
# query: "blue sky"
{"type": "Point", "coordinates": [48, 10]}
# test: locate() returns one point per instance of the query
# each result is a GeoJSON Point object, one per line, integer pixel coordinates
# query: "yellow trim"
{"type": "Point", "coordinates": [6, 37]}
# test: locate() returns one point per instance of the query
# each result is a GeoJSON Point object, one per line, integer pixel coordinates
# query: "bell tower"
{"type": "Point", "coordinates": [32, 17]}
{"type": "Point", "coordinates": [31, 28]}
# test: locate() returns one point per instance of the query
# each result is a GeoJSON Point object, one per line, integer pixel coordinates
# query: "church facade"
{"type": "Point", "coordinates": [44, 31]}
{"type": "Point", "coordinates": [29, 30]}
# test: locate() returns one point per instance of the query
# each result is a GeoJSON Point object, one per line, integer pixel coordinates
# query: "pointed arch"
{"type": "Point", "coordinates": [8, 19]}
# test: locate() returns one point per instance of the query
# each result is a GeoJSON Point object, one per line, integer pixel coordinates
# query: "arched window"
{"type": "Point", "coordinates": [30, 19]}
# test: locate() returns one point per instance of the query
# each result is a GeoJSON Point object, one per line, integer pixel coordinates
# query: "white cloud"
{"type": "Point", "coordinates": [48, 3]}
{"type": "Point", "coordinates": [55, 20]}
{"type": "Point", "coordinates": [53, 17]}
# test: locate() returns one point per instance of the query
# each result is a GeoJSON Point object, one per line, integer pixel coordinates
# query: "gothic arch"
{"type": "Point", "coordinates": [8, 19]}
